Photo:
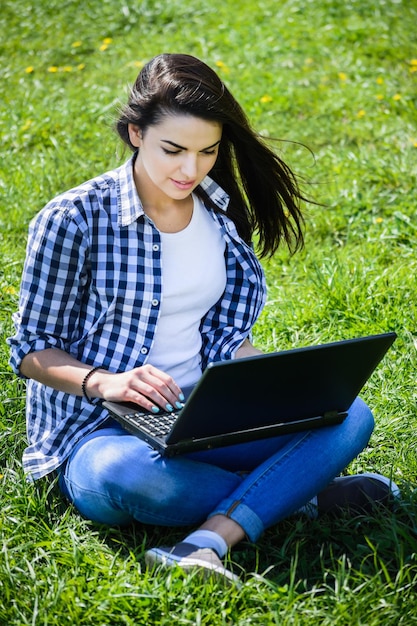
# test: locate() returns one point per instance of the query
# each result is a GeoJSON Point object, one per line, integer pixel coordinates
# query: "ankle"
{"type": "Point", "coordinates": [227, 528]}
{"type": "Point", "coordinates": [208, 539]}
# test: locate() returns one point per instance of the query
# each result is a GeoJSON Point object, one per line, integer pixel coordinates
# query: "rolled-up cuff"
{"type": "Point", "coordinates": [242, 515]}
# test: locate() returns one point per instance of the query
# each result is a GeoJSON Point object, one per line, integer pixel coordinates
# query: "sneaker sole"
{"type": "Point", "coordinates": [154, 558]}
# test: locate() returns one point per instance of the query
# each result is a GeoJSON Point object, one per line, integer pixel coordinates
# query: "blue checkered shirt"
{"type": "Point", "coordinates": [91, 286]}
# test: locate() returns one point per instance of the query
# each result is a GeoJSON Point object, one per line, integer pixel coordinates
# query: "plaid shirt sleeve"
{"type": "Point", "coordinates": [53, 279]}
{"type": "Point", "coordinates": [230, 321]}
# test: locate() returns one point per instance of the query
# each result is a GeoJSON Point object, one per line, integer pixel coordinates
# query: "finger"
{"type": "Point", "coordinates": [160, 387]}
{"type": "Point", "coordinates": [148, 398]}
{"type": "Point", "coordinates": [143, 401]}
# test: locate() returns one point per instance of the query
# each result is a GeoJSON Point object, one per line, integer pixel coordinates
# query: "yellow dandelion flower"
{"type": "Point", "coordinates": [413, 62]}
{"type": "Point", "coordinates": [53, 69]}
{"type": "Point", "coordinates": [103, 47]}
{"type": "Point", "coordinates": [379, 220]}
{"type": "Point", "coordinates": [380, 80]}
{"type": "Point", "coordinates": [222, 66]}
{"type": "Point", "coordinates": [361, 113]}
{"type": "Point", "coordinates": [27, 125]}
{"type": "Point", "coordinates": [396, 97]}
{"type": "Point", "coordinates": [342, 76]}
{"type": "Point", "coordinates": [266, 99]}
{"type": "Point", "coordinates": [10, 290]}
{"type": "Point", "coordinates": [379, 96]}
{"type": "Point", "coordinates": [76, 44]}
{"type": "Point", "coordinates": [107, 40]}
{"type": "Point", "coordinates": [29, 69]}
{"type": "Point", "coordinates": [414, 143]}
{"type": "Point", "coordinates": [67, 68]}
{"type": "Point", "coordinates": [81, 66]}
{"type": "Point", "coordinates": [413, 68]}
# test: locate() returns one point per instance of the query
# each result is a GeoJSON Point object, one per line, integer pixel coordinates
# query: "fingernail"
{"type": "Point", "coordinates": [155, 409]}
{"type": "Point", "coordinates": [179, 405]}
{"type": "Point", "coordinates": [169, 407]}
{"type": "Point", "coordinates": [181, 397]}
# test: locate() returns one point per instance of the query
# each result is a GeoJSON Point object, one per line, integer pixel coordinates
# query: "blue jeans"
{"type": "Point", "coordinates": [114, 478]}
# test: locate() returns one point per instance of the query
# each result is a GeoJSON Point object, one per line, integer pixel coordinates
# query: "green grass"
{"type": "Point", "coordinates": [337, 76]}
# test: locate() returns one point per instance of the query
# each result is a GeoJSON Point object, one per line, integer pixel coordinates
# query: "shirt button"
{"type": "Point", "coordinates": [155, 247]}
{"type": "Point", "coordinates": [144, 350]}
{"type": "Point", "coordinates": [155, 302]}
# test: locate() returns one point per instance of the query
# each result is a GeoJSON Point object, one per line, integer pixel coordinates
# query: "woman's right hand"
{"type": "Point", "coordinates": [146, 386]}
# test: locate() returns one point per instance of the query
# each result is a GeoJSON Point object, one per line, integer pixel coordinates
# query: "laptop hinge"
{"type": "Point", "coordinates": [332, 415]}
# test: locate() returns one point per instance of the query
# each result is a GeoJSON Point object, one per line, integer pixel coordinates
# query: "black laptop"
{"type": "Point", "coordinates": [261, 396]}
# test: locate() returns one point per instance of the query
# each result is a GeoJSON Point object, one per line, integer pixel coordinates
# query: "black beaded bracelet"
{"type": "Point", "coordinates": [83, 384]}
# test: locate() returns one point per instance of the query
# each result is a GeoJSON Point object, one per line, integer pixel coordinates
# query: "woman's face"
{"type": "Point", "coordinates": [175, 155]}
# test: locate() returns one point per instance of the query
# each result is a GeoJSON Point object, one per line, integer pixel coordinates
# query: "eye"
{"type": "Point", "coordinates": [209, 152]}
{"type": "Point", "coordinates": [170, 151]}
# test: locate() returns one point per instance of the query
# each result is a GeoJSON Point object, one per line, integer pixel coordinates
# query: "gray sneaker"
{"type": "Point", "coordinates": [358, 493]}
{"type": "Point", "coordinates": [190, 557]}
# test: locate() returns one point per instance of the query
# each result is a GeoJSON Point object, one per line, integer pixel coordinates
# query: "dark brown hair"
{"type": "Point", "coordinates": [264, 193]}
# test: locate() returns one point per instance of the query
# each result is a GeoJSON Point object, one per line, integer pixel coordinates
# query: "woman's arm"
{"type": "Point", "coordinates": [146, 385]}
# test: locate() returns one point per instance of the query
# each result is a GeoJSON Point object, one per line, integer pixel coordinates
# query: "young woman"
{"type": "Point", "coordinates": [133, 282]}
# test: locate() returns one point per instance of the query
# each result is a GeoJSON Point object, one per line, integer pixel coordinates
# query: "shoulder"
{"type": "Point", "coordinates": [81, 203]}
{"type": "Point", "coordinates": [89, 192]}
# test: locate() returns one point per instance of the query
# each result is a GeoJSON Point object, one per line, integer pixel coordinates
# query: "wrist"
{"type": "Point", "coordinates": [89, 385]}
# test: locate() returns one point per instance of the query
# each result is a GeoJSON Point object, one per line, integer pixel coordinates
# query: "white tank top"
{"type": "Point", "coordinates": [193, 279]}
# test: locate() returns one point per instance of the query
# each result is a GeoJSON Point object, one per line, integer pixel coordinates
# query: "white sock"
{"type": "Point", "coordinates": [208, 539]}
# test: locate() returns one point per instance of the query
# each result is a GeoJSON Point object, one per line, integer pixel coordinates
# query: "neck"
{"type": "Point", "coordinates": [171, 218]}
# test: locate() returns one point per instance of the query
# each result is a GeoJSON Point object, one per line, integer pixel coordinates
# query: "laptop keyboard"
{"type": "Point", "coordinates": [155, 425]}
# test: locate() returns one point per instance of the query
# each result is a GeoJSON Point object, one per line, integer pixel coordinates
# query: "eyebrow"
{"type": "Point", "coordinates": [175, 145]}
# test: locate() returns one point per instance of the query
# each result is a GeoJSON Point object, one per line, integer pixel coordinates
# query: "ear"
{"type": "Point", "coordinates": [135, 135]}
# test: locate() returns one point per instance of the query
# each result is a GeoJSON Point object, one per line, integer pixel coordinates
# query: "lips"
{"type": "Point", "coordinates": [184, 185]}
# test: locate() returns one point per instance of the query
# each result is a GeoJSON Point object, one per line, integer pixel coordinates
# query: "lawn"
{"type": "Point", "coordinates": [335, 81]}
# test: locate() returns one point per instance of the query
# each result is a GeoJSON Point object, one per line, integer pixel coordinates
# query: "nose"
{"type": "Point", "coordinates": [189, 166]}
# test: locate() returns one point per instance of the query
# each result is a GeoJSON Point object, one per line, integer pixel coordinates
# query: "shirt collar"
{"type": "Point", "coordinates": [215, 192]}
{"type": "Point", "coordinates": [130, 207]}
